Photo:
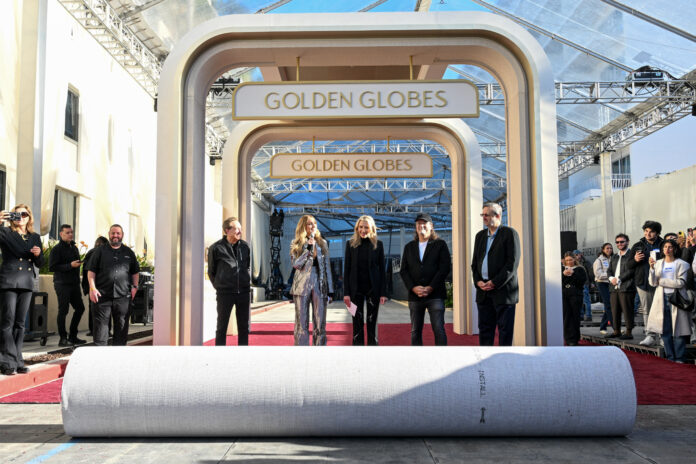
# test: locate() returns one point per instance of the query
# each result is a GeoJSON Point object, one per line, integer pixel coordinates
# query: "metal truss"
{"type": "Point", "coordinates": [109, 29]}
{"type": "Point", "coordinates": [384, 210]}
{"type": "Point", "coordinates": [349, 185]}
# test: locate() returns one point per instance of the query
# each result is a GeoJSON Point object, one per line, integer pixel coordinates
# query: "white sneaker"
{"type": "Point", "coordinates": [603, 332]}
{"type": "Point", "coordinates": [648, 341]}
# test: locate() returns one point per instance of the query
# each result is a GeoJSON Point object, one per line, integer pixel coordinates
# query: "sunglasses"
{"type": "Point", "coordinates": [619, 242]}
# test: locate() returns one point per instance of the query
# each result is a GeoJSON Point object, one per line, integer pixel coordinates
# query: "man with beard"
{"type": "Point", "coordinates": [494, 265]}
{"type": "Point", "coordinates": [650, 243]}
{"type": "Point", "coordinates": [623, 288]}
{"type": "Point", "coordinates": [113, 275]}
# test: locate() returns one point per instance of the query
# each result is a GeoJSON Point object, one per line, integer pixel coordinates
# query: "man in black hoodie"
{"type": "Point", "coordinates": [64, 262]}
{"type": "Point", "coordinates": [229, 269]}
{"type": "Point", "coordinates": [650, 243]}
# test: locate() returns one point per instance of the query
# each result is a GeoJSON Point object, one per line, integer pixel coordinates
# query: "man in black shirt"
{"type": "Point", "coordinates": [64, 262]}
{"type": "Point", "coordinates": [113, 274]}
{"type": "Point", "coordinates": [229, 269]}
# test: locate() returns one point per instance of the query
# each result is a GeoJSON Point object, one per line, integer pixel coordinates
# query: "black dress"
{"type": "Point", "coordinates": [572, 304]}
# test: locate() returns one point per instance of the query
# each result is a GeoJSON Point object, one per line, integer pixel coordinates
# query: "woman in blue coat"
{"type": "Point", "coordinates": [21, 257]}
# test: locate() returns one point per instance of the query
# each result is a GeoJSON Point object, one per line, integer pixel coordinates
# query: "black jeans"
{"type": "Point", "coordinates": [69, 295]}
{"type": "Point", "coordinates": [106, 309]}
{"type": "Point", "coordinates": [13, 314]}
{"type": "Point", "coordinates": [572, 308]}
{"type": "Point", "coordinates": [491, 315]}
{"type": "Point", "coordinates": [225, 302]}
{"type": "Point", "coordinates": [436, 311]}
{"type": "Point", "coordinates": [359, 319]}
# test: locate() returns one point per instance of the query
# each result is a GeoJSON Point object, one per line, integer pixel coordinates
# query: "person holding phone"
{"type": "Point", "coordinates": [312, 282]}
{"type": "Point", "coordinates": [64, 262]}
{"type": "Point", "coordinates": [668, 275]}
{"type": "Point", "coordinates": [651, 243]}
{"type": "Point", "coordinates": [573, 280]}
{"type": "Point", "coordinates": [21, 253]}
{"type": "Point", "coordinates": [365, 276]}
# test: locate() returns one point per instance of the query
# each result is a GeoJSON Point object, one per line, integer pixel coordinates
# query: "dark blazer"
{"type": "Point", "coordinates": [62, 254]}
{"type": "Point", "coordinates": [503, 260]}
{"type": "Point", "coordinates": [432, 272]}
{"type": "Point", "coordinates": [375, 263]}
{"type": "Point", "coordinates": [627, 272]}
{"type": "Point", "coordinates": [17, 270]}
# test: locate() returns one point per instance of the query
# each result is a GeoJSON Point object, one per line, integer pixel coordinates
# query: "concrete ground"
{"type": "Point", "coordinates": [34, 433]}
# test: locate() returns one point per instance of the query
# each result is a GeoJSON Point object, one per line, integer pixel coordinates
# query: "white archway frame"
{"type": "Point", "coordinates": [455, 136]}
{"type": "Point", "coordinates": [501, 47]}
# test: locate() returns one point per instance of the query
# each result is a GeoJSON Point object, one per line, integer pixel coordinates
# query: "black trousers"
{"type": "Point", "coordinates": [572, 306]}
{"type": "Point", "coordinates": [623, 303]}
{"type": "Point", "coordinates": [69, 295]}
{"type": "Point", "coordinates": [225, 302]}
{"type": "Point", "coordinates": [106, 309]}
{"type": "Point", "coordinates": [491, 315]}
{"type": "Point", "coordinates": [359, 319]}
{"type": "Point", "coordinates": [14, 306]}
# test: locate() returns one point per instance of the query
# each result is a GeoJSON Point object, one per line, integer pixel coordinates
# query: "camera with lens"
{"type": "Point", "coordinates": [14, 216]}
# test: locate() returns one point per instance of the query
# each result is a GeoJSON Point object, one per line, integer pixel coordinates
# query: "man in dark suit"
{"type": "Point", "coordinates": [494, 266]}
{"type": "Point", "coordinates": [425, 264]}
{"type": "Point", "coordinates": [64, 262]}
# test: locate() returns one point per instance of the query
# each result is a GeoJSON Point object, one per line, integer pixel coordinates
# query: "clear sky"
{"type": "Point", "coordinates": [669, 149]}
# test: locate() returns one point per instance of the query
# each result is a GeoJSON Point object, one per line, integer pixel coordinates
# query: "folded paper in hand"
{"type": "Point", "coordinates": [351, 308]}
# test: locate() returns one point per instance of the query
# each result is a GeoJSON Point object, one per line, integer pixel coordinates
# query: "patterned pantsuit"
{"type": "Point", "coordinates": [313, 295]}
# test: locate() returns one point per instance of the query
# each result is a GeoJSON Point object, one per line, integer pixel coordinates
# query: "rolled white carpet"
{"type": "Point", "coordinates": [343, 391]}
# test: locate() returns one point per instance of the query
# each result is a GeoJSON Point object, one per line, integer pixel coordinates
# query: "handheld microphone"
{"type": "Point", "coordinates": [311, 236]}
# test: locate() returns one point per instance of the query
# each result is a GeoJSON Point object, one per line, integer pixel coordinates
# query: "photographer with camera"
{"type": "Point", "coordinates": [21, 250]}
{"type": "Point", "coordinates": [64, 262]}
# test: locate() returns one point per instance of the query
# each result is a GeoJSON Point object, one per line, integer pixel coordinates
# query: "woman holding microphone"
{"type": "Point", "coordinates": [312, 281]}
{"type": "Point", "coordinates": [21, 251]}
{"type": "Point", "coordinates": [364, 276]}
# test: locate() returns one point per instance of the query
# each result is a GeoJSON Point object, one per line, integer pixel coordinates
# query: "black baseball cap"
{"type": "Point", "coordinates": [424, 217]}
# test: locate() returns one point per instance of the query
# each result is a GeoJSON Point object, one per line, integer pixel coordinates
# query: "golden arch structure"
{"type": "Point", "coordinates": [333, 43]}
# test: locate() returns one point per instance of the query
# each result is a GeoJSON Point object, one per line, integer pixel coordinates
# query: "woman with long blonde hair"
{"type": "Point", "coordinates": [312, 282]}
{"type": "Point", "coordinates": [364, 276]}
{"type": "Point", "coordinates": [21, 257]}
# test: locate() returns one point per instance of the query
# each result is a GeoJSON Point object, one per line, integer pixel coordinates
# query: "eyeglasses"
{"type": "Point", "coordinates": [486, 215]}
{"type": "Point", "coordinates": [619, 242]}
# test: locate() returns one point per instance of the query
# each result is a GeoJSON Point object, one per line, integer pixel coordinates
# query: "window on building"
{"type": "Point", "coordinates": [64, 212]}
{"type": "Point", "coordinates": [3, 187]}
{"type": "Point", "coordinates": [621, 166]}
{"type": "Point", "coordinates": [72, 115]}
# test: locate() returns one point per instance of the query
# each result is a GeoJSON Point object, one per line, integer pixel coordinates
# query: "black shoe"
{"type": "Point", "coordinates": [7, 371]}
{"type": "Point", "coordinates": [64, 342]}
{"type": "Point", "coordinates": [77, 341]}
{"type": "Point", "coordinates": [23, 370]}
{"type": "Point", "coordinates": [613, 335]}
{"type": "Point", "coordinates": [626, 337]}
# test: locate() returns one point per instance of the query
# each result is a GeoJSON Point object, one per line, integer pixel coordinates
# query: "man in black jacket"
{"type": "Point", "coordinates": [650, 243]}
{"type": "Point", "coordinates": [623, 288]}
{"type": "Point", "coordinates": [64, 262]}
{"type": "Point", "coordinates": [425, 264]}
{"type": "Point", "coordinates": [494, 265]}
{"type": "Point", "coordinates": [229, 269]}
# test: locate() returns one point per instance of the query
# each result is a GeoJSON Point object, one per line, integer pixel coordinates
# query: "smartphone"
{"type": "Point", "coordinates": [14, 216]}
{"type": "Point", "coordinates": [653, 254]}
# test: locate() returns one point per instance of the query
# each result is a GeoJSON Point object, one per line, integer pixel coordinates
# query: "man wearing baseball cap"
{"type": "Point", "coordinates": [425, 264]}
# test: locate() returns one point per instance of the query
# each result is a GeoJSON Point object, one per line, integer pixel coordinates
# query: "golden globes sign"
{"type": "Point", "coordinates": [345, 165]}
{"type": "Point", "coordinates": [355, 99]}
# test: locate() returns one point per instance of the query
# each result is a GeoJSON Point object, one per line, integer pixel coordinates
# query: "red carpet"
{"type": "Point", "coordinates": [658, 381]}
